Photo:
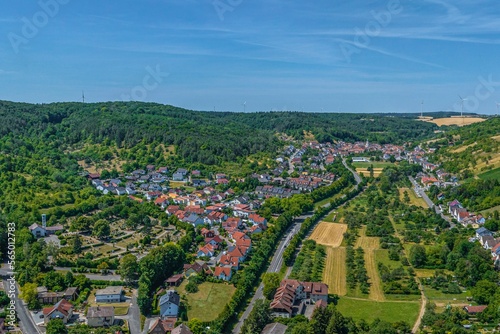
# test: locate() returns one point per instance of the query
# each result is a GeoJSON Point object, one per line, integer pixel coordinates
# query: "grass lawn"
{"type": "Point", "coordinates": [209, 301]}
{"type": "Point", "coordinates": [376, 164]}
{"type": "Point", "coordinates": [439, 297]}
{"type": "Point", "coordinates": [493, 174]}
{"type": "Point", "coordinates": [414, 200]}
{"type": "Point", "coordinates": [370, 310]}
{"type": "Point", "coordinates": [321, 203]}
{"type": "Point", "coordinates": [382, 255]}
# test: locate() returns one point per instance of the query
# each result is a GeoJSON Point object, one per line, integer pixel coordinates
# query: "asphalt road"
{"type": "Point", "coordinates": [356, 175]}
{"type": "Point", "coordinates": [419, 191]}
{"type": "Point", "coordinates": [274, 267]}
{"type": "Point", "coordinates": [25, 321]}
{"type": "Point", "coordinates": [98, 277]}
{"type": "Point", "coordinates": [134, 316]}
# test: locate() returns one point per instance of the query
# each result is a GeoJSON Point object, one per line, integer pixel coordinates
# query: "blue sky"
{"type": "Point", "coordinates": [348, 56]}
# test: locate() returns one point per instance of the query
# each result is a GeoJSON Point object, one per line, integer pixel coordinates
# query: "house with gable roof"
{"type": "Point", "coordinates": [61, 310]}
{"type": "Point", "coordinates": [169, 304]}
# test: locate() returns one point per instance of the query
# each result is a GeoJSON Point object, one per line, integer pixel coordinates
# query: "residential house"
{"type": "Point", "coordinates": [223, 273]}
{"type": "Point", "coordinates": [61, 310]}
{"type": "Point", "coordinates": [291, 296]}
{"type": "Point", "coordinates": [488, 242]}
{"type": "Point", "coordinates": [255, 219]}
{"type": "Point", "coordinates": [196, 268]}
{"type": "Point", "coordinates": [110, 294]}
{"type": "Point", "coordinates": [215, 241]}
{"type": "Point", "coordinates": [194, 220]}
{"type": "Point", "coordinates": [100, 316]}
{"type": "Point", "coordinates": [482, 232]}
{"type": "Point", "coordinates": [181, 329]}
{"type": "Point", "coordinates": [169, 304]}
{"type": "Point", "coordinates": [207, 233]}
{"type": "Point", "coordinates": [227, 260]}
{"type": "Point", "coordinates": [208, 250]}
{"type": "Point", "coordinates": [172, 209]}
{"type": "Point", "coordinates": [316, 291]}
{"type": "Point", "coordinates": [162, 326]}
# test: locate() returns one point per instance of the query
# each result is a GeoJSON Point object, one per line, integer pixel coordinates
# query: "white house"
{"type": "Point", "coordinates": [169, 304]}
{"type": "Point", "coordinates": [111, 294]}
{"type": "Point", "coordinates": [37, 230]}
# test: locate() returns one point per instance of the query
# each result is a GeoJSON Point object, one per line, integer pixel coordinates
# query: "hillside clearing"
{"type": "Point", "coordinates": [334, 274]}
{"type": "Point", "coordinates": [491, 175]}
{"type": "Point", "coordinates": [329, 234]}
{"type": "Point", "coordinates": [459, 121]}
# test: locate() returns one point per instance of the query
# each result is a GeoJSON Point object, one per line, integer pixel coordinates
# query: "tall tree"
{"type": "Point", "coordinates": [101, 229]}
{"type": "Point", "coordinates": [129, 268]}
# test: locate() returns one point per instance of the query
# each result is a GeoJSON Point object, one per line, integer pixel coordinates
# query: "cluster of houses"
{"type": "Point", "coordinates": [292, 297]}
{"type": "Point", "coordinates": [488, 241]}
{"type": "Point", "coordinates": [463, 216]}
{"type": "Point", "coordinates": [62, 307]}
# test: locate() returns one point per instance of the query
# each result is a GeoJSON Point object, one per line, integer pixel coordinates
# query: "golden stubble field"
{"type": "Point", "coordinates": [369, 245]}
{"type": "Point", "coordinates": [459, 121]}
{"type": "Point", "coordinates": [329, 234]}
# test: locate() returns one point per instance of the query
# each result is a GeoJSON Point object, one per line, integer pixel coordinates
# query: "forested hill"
{"type": "Point", "coordinates": [207, 137]}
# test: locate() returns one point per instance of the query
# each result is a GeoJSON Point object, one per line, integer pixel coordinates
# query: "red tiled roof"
{"type": "Point", "coordinates": [475, 309]}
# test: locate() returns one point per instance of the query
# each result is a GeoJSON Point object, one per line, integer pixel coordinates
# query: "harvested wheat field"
{"type": "Point", "coordinates": [366, 242]}
{"type": "Point", "coordinates": [376, 291]}
{"type": "Point", "coordinates": [366, 172]}
{"type": "Point", "coordinates": [334, 274]}
{"type": "Point", "coordinates": [329, 234]}
{"type": "Point", "coordinates": [460, 121]}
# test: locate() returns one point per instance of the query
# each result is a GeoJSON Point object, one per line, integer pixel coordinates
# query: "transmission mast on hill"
{"type": "Point", "coordinates": [422, 109]}
{"type": "Point", "coordinates": [83, 97]}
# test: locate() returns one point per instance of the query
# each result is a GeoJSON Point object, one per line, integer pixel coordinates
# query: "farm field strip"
{"type": "Point", "coordinates": [329, 234]}
{"type": "Point", "coordinates": [376, 291]}
{"type": "Point", "coordinates": [334, 274]}
{"type": "Point", "coordinates": [369, 245]}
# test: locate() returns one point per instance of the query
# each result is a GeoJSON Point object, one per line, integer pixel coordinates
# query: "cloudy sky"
{"type": "Point", "coordinates": [322, 55]}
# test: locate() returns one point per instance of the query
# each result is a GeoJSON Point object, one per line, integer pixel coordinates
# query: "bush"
{"type": "Point", "coordinates": [192, 287]}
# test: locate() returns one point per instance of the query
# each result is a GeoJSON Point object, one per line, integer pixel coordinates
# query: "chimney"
{"type": "Point", "coordinates": [44, 220]}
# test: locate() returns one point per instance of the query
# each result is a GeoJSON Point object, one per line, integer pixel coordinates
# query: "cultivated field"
{"type": "Point", "coordinates": [460, 121]}
{"type": "Point", "coordinates": [369, 245]}
{"type": "Point", "coordinates": [366, 172]}
{"type": "Point", "coordinates": [329, 234]}
{"type": "Point", "coordinates": [334, 274]}
{"type": "Point", "coordinates": [366, 242]}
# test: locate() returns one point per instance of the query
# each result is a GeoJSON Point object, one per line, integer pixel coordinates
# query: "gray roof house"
{"type": "Point", "coordinates": [169, 304]}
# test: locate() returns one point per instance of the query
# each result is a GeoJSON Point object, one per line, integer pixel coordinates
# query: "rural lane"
{"type": "Point", "coordinates": [274, 267]}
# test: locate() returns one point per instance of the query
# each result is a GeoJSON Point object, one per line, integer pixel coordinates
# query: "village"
{"type": "Point", "coordinates": [227, 222]}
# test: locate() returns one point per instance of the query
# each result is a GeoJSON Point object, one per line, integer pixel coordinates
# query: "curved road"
{"type": "Point", "coordinates": [356, 175]}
